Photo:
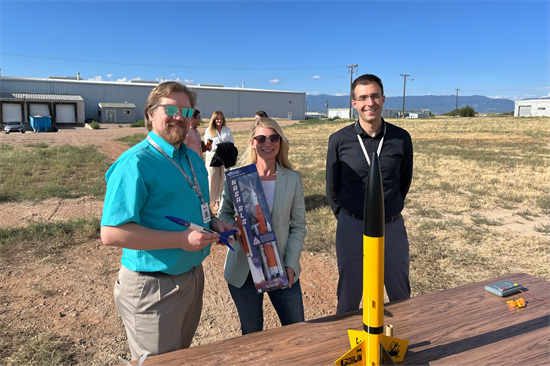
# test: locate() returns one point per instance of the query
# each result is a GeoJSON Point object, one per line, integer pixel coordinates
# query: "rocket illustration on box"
{"type": "Point", "coordinates": [258, 240]}
{"type": "Point", "coordinates": [372, 346]}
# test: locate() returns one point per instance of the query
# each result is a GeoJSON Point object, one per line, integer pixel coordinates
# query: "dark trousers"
{"type": "Point", "coordinates": [287, 303]}
{"type": "Point", "coordinates": [349, 251]}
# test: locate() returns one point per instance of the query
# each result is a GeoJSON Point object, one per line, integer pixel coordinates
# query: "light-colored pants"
{"type": "Point", "coordinates": [160, 312]}
{"type": "Point", "coordinates": [216, 177]}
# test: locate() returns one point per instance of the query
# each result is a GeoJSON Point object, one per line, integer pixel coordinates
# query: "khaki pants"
{"type": "Point", "coordinates": [216, 177]}
{"type": "Point", "coordinates": [160, 312]}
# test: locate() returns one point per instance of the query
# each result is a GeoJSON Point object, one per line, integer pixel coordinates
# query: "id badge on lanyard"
{"type": "Point", "coordinates": [205, 210]}
{"type": "Point", "coordinates": [379, 146]}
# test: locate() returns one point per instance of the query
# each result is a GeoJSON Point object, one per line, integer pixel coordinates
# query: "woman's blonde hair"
{"type": "Point", "coordinates": [250, 157]}
{"type": "Point", "coordinates": [212, 127]}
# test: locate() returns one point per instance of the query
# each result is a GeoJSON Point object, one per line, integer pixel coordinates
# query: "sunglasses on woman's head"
{"type": "Point", "coordinates": [172, 110]}
{"type": "Point", "coordinates": [273, 138]}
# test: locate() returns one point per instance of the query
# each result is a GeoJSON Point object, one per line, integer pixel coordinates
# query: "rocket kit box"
{"type": "Point", "coordinates": [258, 239]}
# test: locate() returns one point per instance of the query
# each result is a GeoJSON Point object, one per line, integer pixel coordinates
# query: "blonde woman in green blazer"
{"type": "Point", "coordinates": [268, 149]}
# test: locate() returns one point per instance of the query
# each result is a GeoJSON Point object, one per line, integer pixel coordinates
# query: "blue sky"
{"type": "Point", "coordinates": [498, 49]}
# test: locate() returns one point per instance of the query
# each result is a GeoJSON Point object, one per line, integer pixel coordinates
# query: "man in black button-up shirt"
{"type": "Point", "coordinates": [346, 174]}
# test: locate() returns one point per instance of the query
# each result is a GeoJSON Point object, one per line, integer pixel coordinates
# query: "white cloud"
{"type": "Point", "coordinates": [340, 94]}
{"type": "Point", "coordinates": [123, 80]}
{"type": "Point", "coordinates": [314, 93]}
{"type": "Point", "coordinates": [136, 79]}
{"type": "Point", "coordinates": [515, 97]}
{"type": "Point", "coordinates": [275, 81]}
{"type": "Point", "coordinates": [109, 76]}
{"type": "Point", "coordinates": [188, 82]}
{"type": "Point", "coordinates": [172, 74]}
{"type": "Point", "coordinates": [316, 77]}
{"type": "Point", "coordinates": [96, 78]}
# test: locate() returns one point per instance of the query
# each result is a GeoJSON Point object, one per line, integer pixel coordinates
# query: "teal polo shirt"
{"type": "Point", "coordinates": [142, 187]}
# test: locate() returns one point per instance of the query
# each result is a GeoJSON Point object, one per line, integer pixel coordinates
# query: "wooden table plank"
{"type": "Point", "coordinates": [461, 326]}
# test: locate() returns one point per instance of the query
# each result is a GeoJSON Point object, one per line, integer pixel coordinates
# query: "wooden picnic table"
{"type": "Point", "coordinates": [461, 326]}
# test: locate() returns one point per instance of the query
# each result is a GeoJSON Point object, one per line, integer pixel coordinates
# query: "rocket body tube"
{"type": "Point", "coordinates": [371, 346]}
{"type": "Point", "coordinates": [373, 263]}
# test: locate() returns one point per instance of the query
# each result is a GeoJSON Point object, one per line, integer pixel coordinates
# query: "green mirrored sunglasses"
{"type": "Point", "coordinates": [172, 110]}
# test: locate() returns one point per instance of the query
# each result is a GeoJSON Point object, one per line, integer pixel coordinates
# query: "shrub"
{"type": "Point", "coordinates": [462, 112]}
{"type": "Point", "coordinates": [467, 112]}
{"type": "Point", "coordinates": [140, 123]}
{"type": "Point", "coordinates": [94, 125]}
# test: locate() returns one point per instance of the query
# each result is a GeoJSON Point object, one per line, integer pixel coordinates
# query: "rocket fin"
{"type": "Point", "coordinates": [354, 356]}
{"type": "Point", "coordinates": [395, 347]}
{"type": "Point", "coordinates": [385, 358]}
{"type": "Point", "coordinates": [355, 337]}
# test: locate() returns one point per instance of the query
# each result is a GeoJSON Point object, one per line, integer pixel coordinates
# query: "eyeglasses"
{"type": "Point", "coordinates": [172, 110]}
{"type": "Point", "coordinates": [363, 98]}
{"type": "Point", "coordinates": [273, 138]}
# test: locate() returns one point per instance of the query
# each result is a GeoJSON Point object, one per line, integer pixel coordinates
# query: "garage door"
{"type": "Point", "coordinates": [39, 110]}
{"type": "Point", "coordinates": [11, 112]}
{"type": "Point", "coordinates": [64, 113]}
{"type": "Point", "coordinates": [525, 111]}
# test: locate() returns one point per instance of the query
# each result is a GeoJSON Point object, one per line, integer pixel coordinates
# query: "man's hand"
{"type": "Point", "coordinates": [196, 240]}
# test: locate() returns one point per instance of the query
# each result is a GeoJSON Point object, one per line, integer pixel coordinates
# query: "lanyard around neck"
{"type": "Point", "coordinates": [379, 145]}
{"type": "Point", "coordinates": [194, 185]}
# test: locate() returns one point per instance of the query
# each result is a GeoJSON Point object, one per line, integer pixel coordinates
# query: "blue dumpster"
{"type": "Point", "coordinates": [41, 124]}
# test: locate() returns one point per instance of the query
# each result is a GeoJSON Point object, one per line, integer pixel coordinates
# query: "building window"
{"type": "Point", "coordinates": [542, 108]}
{"type": "Point", "coordinates": [127, 112]}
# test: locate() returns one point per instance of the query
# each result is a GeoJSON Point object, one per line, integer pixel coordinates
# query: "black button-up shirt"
{"type": "Point", "coordinates": [347, 168]}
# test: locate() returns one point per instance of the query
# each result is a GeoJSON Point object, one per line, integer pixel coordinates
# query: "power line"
{"type": "Point", "coordinates": [172, 66]}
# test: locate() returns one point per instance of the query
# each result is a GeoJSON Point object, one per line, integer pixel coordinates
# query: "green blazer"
{"type": "Point", "coordinates": [289, 224]}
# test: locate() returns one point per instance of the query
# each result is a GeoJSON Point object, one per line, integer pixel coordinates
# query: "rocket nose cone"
{"type": "Point", "coordinates": [373, 214]}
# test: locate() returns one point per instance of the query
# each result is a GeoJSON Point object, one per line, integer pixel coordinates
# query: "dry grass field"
{"type": "Point", "coordinates": [478, 208]}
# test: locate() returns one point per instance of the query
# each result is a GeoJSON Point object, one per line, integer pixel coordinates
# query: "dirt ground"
{"type": "Point", "coordinates": [73, 298]}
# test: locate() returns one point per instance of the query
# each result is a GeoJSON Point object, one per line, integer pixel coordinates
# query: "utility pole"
{"type": "Point", "coordinates": [404, 84]}
{"type": "Point", "coordinates": [326, 105]}
{"type": "Point", "coordinates": [456, 109]}
{"type": "Point", "coordinates": [352, 69]}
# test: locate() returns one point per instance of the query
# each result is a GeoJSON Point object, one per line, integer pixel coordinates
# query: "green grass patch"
{"type": "Point", "coordinates": [47, 349]}
{"type": "Point", "coordinates": [140, 123]}
{"type": "Point", "coordinates": [482, 220]}
{"type": "Point", "coordinates": [39, 145]}
{"type": "Point", "coordinates": [46, 240]}
{"type": "Point", "coordinates": [133, 139]}
{"type": "Point", "coordinates": [542, 228]}
{"type": "Point", "coordinates": [61, 171]}
{"type": "Point", "coordinates": [527, 214]}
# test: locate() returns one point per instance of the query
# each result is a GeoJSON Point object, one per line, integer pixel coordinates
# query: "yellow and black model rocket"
{"type": "Point", "coordinates": [372, 346]}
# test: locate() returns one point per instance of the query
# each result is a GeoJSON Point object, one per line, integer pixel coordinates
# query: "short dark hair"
{"type": "Point", "coordinates": [365, 80]}
{"type": "Point", "coordinates": [196, 113]}
{"type": "Point", "coordinates": [261, 114]}
{"type": "Point", "coordinates": [164, 90]}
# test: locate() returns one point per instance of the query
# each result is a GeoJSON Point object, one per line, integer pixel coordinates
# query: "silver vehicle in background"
{"type": "Point", "coordinates": [14, 127]}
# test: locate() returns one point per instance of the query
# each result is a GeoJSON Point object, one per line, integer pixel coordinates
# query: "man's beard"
{"type": "Point", "coordinates": [174, 136]}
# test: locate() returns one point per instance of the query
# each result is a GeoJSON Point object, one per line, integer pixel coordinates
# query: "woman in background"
{"type": "Point", "coordinates": [218, 132]}
{"type": "Point", "coordinates": [284, 193]}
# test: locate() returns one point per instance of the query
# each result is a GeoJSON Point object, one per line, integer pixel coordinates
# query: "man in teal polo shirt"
{"type": "Point", "coordinates": [158, 292]}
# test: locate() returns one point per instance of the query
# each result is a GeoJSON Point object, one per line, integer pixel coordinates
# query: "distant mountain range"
{"type": "Point", "coordinates": [437, 104]}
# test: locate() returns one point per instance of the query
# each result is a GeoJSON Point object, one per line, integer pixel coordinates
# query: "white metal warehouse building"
{"type": "Point", "coordinates": [82, 94]}
{"type": "Point", "coordinates": [532, 108]}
